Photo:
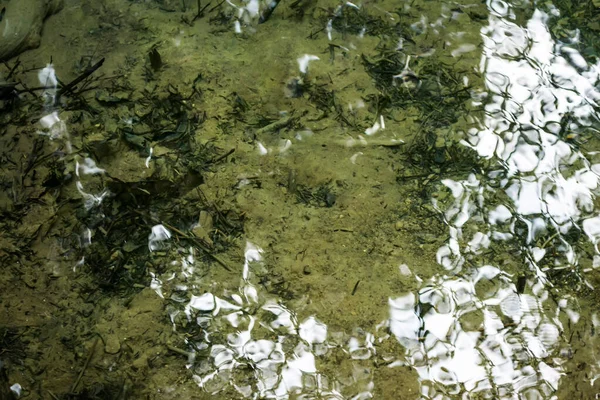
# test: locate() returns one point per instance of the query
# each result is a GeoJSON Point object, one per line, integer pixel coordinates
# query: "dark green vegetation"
{"type": "Point", "coordinates": [582, 16]}
{"type": "Point", "coordinates": [176, 130]}
{"type": "Point", "coordinates": [45, 223]}
{"type": "Point", "coordinates": [161, 117]}
{"type": "Point", "coordinates": [432, 91]}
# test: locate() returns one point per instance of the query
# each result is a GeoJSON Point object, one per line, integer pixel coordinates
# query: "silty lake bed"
{"type": "Point", "coordinates": [299, 200]}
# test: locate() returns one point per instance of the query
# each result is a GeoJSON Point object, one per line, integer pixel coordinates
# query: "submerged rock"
{"type": "Point", "coordinates": [21, 24]}
{"type": "Point", "coordinates": [112, 344]}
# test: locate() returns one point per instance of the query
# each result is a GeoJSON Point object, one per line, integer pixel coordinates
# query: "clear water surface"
{"type": "Point", "coordinates": [301, 200]}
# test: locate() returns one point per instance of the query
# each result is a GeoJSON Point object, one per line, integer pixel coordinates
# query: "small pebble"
{"type": "Point", "coordinates": [112, 345]}
{"type": "Point", "coordinates": [306, 270]}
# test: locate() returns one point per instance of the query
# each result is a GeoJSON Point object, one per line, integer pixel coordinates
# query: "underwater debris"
{"type": "Point", "coordinates": [71, 85]}
{"type": "Point", "coordinates": [408, 77]}
{"type": "Point", "coordinates": [155, 59]}
{"type": "Point", "coordinates": [321, 196]}
{"type": "Point", "coordinates": [294, 88]}
{"type": "Point", "coordinates": [266, 13]}
{"type": "Point", "coordinates": [304, 60]}
{"type": "Point", "coordinates": [276, 125]}
{"type": "Point", "coordinates": [199, 14]}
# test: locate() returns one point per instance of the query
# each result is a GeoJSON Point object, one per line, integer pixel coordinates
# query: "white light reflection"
{"type": "Point", "coordinates": [149, 158]}
{"type": "Point", "coordinates": [304, 61]}
{"type": "Point", "coordinates": [48, 80]}
{"type": "Point", "coordinates": [158, 235]}
{"type": "Point", "coordinates": [244, 330]}
{"type": "Point", "coordinates": [55, 128]}
{"type": "Point", "coordinates": [538, 93]}
{"type": "Point", "coordinates": [90, 200]}
{"type": "Point", "coordinates": [87, 167]}
{"type": "Point", "coordinates": [457, 332]}
{"type": "Point", "coordinates": [447, 353]}
{"type": "Point", "coordinates": [468, 333]}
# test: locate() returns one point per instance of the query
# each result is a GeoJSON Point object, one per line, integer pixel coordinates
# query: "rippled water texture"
{"type": "Point", "coordinates": [301, 200]}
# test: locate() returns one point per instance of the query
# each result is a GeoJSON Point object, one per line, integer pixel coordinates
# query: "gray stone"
{"type": "Point", "coordinates": [112, 344]}
{"type": "Point", "coordinates": [21, 25]}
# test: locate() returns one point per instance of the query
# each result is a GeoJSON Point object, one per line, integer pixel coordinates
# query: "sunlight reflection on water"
{"type": "Point", "coordinates": [469, 329]}
{"type": "Point", "coordinates": [513, 345]}
{"type": "Point", "coordinates": [539, 92]}
{"type": "Point", "coordinates": [506, 353]}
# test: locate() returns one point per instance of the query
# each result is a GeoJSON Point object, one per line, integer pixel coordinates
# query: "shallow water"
{"type": "Point", "coordinates": [337, 200]}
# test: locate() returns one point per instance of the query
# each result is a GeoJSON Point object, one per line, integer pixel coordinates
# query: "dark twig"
{"type": "Point", "coordinates": [217, 6]}
{"type": "Point", "coordinates": [202, 247]}
{"type": "Point", "coordinates": [52, 395]}
{"type": "Point", "coordinates": [180, 351]}
{"type": "Point", "coordinates": [87, 362]}
{"type": "Point", "coordinates": [216, 160]}
{"type": "Point", "coordinates": [264, 16]}
{"type": "Point", "coordinates": [30, 90]}
{"type": "Point", "coordinates": [12, 70]}
{"type": "Point", "coordinates": [198, 243]}
{"type": "Point", "coordinates": [355, 287]}
{"type": "Point", "coordinates": [200, 13]}
{"type": "Point", "coordinates": [69, 87]}
{"type": "Point", "coordinates": [33, 156]}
